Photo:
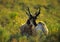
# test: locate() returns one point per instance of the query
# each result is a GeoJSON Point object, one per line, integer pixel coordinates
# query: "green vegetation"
{"type": "Point", "coordinates": [12, 16]}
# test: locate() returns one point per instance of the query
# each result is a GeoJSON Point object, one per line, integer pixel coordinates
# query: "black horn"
{"type": "Point", "coordinates": [28, 12]}
{"type": "Point", "coordinates": [37, 13]}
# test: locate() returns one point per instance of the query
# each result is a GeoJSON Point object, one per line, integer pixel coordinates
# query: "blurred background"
{"type": "Point", "coordinates": [12, 16]}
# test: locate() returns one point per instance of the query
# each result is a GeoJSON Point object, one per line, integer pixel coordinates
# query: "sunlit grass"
{"type": "Point", "coordinates": [12, 16]}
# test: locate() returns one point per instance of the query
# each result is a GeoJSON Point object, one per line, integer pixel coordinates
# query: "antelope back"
{"type": "Point", "coordinates": [42, 27]}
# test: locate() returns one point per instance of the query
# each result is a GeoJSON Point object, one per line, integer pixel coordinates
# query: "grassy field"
{"type": "Point", "coordinates": [12, 16]}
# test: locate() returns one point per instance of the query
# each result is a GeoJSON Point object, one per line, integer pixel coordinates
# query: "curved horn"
{"type": "Point", "coordinates": [37, 13]}
{"type": "Point", "coordinates": [28, 12]}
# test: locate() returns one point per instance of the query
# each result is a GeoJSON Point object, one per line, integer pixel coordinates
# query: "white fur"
{"type": "Point", "coordinates": [42, 28]}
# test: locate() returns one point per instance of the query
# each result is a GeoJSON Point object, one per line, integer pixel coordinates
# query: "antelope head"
{"type": "Point", "coordinates": [32, 18]}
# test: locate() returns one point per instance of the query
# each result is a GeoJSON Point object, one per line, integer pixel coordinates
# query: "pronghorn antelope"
{"type": "Point", "coordinates": [26, 29]}
{"type": "Point", "coordinates": [31, 27]}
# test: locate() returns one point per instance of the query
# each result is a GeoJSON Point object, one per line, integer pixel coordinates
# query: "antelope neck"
{"type": "Point", "coordinates": [34, 22]}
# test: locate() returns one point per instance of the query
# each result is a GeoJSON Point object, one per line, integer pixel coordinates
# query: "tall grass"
{"type": "Point", "coordinates": [12, 16]}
